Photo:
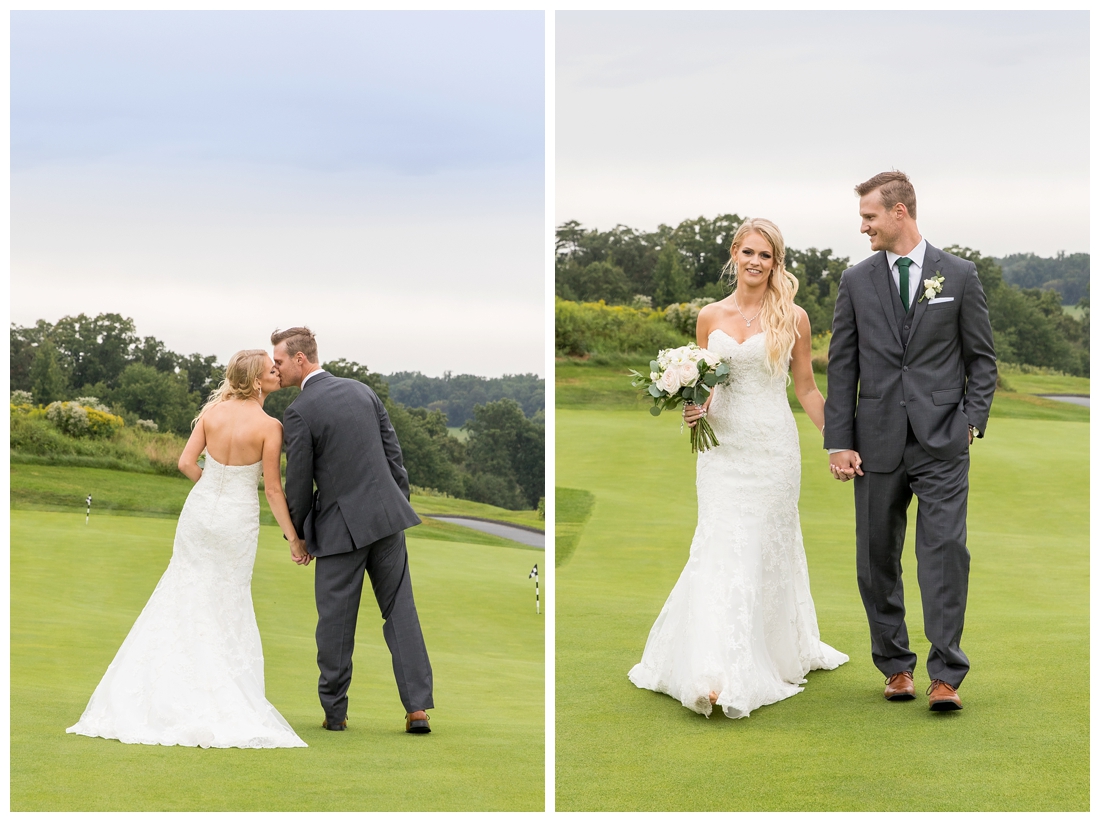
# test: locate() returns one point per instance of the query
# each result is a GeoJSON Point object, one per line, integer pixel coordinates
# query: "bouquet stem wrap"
{"type": "Point", "coordinates": [702, 435]}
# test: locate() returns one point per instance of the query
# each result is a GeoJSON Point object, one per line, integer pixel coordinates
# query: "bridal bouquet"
{"type": "Point", "coordinates": [684, 375]}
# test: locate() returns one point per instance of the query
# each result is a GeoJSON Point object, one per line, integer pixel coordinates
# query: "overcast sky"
{"type": "Point", "coordinates": [665, 116]}
{"type": "Point", "coordinates": [213, 175]}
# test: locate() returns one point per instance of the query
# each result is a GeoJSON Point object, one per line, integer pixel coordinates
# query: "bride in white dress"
{"type": "Point", "coordinates": [739, 629]}
{"type": "Point", "coordinates": [191, 670]}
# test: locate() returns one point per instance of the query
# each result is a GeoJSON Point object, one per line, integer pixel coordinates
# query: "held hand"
{"type": "Point", "coordinates": [298, 552]}
{"type": "Point", "coordinates": [844, 465]}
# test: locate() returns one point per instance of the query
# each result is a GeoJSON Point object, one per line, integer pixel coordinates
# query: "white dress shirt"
{"type": "Point", "coordinates": [310, 374]}
{"type": "Point", "coordinates": [917, 256]}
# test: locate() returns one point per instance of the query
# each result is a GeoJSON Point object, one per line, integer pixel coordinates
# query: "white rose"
{"type": "Point", "coordinates": [689, 373]}
{"type": "Point", "coordinates": [669, 381]}
{"type": "Point", "coordinates": [929, 292]}
{"type": "Point", "coordinates": [711, 358]}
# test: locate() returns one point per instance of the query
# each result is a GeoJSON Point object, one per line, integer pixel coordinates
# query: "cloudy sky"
{"type": "Point", "coordinates": [378, 176]}
{"type": "Point", "coordinates": [664, 116]}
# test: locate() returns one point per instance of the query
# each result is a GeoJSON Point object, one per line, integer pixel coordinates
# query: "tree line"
{"type": "Point", "coordinates": [672, 268]}
{"type": "Point", "coordinates": [678, 265]}
{"type": "Point", "coordinates": [1068, 274]}
{"type": "Point", "coordinates": [138, 378]}
{"type": "Point", "coordinates": [458, 396]}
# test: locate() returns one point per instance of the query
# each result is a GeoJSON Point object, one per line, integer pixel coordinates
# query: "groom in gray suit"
{"type": "Point", "coordinates": [338, 436]}
{"type": "Point", "coordinates": [911, 378]}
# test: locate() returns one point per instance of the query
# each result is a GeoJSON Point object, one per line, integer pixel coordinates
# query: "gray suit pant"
{"type": "Point", "coordinates": [338, 586]}
{"type": "Point", "coordinates": [943, 562]}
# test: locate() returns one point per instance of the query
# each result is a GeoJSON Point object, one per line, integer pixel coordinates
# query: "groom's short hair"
{"type": "Point", "coordinates": [893, 187]}
{"type": "Point", "coordinates": [297, 339]}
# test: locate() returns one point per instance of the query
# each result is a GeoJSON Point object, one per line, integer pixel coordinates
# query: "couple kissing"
{"type": "Point", "coordinates": [190, 672]}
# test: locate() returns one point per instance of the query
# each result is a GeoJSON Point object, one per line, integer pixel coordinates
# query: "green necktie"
{"type": "Point", "coordinates": [903, 280]}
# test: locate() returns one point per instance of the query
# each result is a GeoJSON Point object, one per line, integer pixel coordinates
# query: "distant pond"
{"type": "Point", "coordinates": [1075, 399]}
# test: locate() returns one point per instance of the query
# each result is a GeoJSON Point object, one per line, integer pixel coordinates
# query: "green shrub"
{"type": "Point", "coordinates": [420, 491]}
{"type": "Point", "coordinates": [819, 352]}
{"type": "Point", "coordinates": [92, 402]}
{"type": "Point", "coordinates": [68, 418]}
{"type": "Point", "coordinates": [36, 412]}
{"type": "Point", "coordinates": [581, 329]}
{"type": "Point", "coordinates": [77, 420]}
{"type": "Point", "coordinates": [684, 316]}
{"type": "Point", "coordinates": [494, 489]}
{"type": "Point", "coordinates": [34, 438]}
{"type": "Point", "coordinates": [34, 435]}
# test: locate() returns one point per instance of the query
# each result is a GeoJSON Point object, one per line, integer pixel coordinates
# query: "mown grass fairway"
{"type": "Point", "coordinates": [604, 382]}
{"type": "Point", "coordinates": [76, 590]}
{"type": "Point", "coordinates": [1020, 743]}
{"type": "Point", "coordinates": [64, 488]}
{"type": "Point", "coordinates": [1043, 383]}
{"type": "Point", "coordinates": [572, 510]}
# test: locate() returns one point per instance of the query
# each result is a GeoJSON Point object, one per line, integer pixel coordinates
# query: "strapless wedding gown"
{"type": "Point", "coordinates": [740, 620]}
{"type": "Point", "coordinates": [191, 670]}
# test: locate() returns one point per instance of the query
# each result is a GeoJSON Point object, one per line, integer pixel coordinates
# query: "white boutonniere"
{"type": "Point", "coordinates": [932, 286]}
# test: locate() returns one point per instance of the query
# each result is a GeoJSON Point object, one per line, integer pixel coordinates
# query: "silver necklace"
{"type": "Point", "coordinates": [748, 322]}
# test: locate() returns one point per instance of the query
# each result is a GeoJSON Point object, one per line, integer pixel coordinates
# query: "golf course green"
{"type": "Point", "coordinates": [76, 589]}
{"type": "Point", "coordinates": [1021, 743]}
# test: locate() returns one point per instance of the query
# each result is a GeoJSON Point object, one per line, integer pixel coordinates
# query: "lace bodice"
{"type": "Point", "coordinates": [754, 401]}
{"type": "Point", "coordinates": [204, 546]}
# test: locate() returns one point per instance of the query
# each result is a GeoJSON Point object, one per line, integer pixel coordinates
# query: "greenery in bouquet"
{"type": "Point", "coordinates": [684, 375]}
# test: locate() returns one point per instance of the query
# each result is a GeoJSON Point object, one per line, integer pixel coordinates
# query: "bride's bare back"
{"type": "Point", "coordinates": [236, 431]}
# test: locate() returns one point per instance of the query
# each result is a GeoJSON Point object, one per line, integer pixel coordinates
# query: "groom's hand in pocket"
{"type": "Point", "coordinates": [844, 465]}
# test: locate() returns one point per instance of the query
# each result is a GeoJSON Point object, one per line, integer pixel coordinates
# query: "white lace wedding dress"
{"type": "Point", "coordinates": [191, 670]}
{"type": "Point", "coordinates": [740, 620]}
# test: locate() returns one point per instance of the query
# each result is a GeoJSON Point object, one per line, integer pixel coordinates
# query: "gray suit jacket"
{"type": "Point", "coordinates": [338, 435]}
{"type": "Point", "coordinates": [933, 367]}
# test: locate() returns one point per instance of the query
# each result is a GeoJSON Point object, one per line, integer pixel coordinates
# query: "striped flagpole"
{"type": "Point", "coordinates": [88, 514]}
{"type": "Point", "coordinates": [535, 573]}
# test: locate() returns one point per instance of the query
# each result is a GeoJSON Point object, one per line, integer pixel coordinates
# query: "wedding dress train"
{"type": "Point", "coordinates": [191, 670]}
{"type": "Point", "coordinates": [740, 620]}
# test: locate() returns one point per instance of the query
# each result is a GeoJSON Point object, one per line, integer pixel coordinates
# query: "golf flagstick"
{"type": "Point", "coordinates": [89, 511]}
{"type": "Point", "coordinates": [535, 573]}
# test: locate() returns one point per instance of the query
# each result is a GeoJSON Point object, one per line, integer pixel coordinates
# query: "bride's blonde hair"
{"type": "Point", "coordinates": [777, 315]}
{"type": "Point", "coordinates": [242, 379]}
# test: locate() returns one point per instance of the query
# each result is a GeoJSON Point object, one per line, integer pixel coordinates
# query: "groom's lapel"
{"type": "Point", "coordinates": [880, 276]}
{"type": "Point", "coordinates": [931, 265]}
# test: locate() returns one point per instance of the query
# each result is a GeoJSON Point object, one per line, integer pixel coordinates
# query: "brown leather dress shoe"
{"type": "Point", "coordinates": [335, 726]}
{"type": "Point", "coordinates": [899, 687]}
{"type": "Point", "coordinates": [942, 697]}
{"type": "Point", "coordinates": [417, 723]}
